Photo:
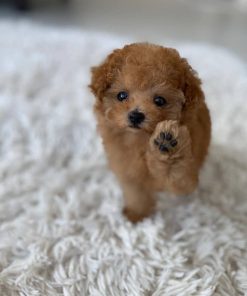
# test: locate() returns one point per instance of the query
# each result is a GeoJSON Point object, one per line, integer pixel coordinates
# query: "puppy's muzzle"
{"type": "Point", "coordinates": [135, 118]}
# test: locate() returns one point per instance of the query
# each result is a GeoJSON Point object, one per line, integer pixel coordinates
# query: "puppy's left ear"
{"type": "Point", "coordinates": [104, 74]}
{"type": "Point", "coordinates": [191, 87]}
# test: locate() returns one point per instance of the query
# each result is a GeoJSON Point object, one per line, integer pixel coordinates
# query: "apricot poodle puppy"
{"type": "Point", "coordinates": [154, 122]}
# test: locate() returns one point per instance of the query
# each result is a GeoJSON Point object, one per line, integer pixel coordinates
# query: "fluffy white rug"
{"type": "Point", "coordinates": [61, 228]}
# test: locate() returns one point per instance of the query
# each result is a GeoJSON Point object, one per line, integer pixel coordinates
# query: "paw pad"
{"type": "Point", "coordinates": [166, 136]}
{"type": "Point", "coordinates": [165, 142]}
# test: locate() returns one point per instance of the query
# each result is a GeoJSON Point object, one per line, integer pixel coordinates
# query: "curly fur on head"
{"type": "Point", "coordinates": [147, 73]}
{"type": "Point", "coordinates": [167, 61]}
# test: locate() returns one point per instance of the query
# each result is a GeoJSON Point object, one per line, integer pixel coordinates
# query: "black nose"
{"type": "Point", "coordinates": [136, 117]}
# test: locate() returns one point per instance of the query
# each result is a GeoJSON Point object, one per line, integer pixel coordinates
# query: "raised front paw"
{"type": "Point", "coordinates": [169, 137]}
{"type": "Point", "coordinates": [165, 142]}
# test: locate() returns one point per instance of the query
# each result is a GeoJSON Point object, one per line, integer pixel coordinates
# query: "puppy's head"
{"type": "Point", "coordinates": [142, 84]}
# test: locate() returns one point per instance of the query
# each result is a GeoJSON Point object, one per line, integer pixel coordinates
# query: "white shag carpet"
{"type": "Point", "coordinates": [61, 228]}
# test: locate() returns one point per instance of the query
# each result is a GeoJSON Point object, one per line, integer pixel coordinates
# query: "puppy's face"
{"type": "Point", "coordinates": [141, 85]}
{"type": "Point", "coordinates": [138, 98]}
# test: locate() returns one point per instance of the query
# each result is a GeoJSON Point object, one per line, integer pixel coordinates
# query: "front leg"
{"type": "Point", "coordinates": [139, 201]}
{"type": "Point", "coordinates": [170, 160]}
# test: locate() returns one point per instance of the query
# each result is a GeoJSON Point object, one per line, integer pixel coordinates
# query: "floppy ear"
{"type": "Point", "coordinates": [191, 87]}
{"type": "Point", "coordinates": [103, 75]}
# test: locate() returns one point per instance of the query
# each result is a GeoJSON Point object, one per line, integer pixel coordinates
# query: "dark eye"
{"type": "Point", "coordinates": [122, 95]}
{"type": "Point", "coordinates": [159, 101]}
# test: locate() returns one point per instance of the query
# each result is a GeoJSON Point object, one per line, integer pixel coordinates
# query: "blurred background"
{"type": "Point", "coordinates": [218, 22]}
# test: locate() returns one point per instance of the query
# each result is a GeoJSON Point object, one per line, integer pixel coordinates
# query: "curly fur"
{"type": "Point", "coordinates": [145, 70]}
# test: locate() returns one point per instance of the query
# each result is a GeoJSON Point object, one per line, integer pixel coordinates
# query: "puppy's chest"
{"type": "Point", "coordinates": [127, 156]}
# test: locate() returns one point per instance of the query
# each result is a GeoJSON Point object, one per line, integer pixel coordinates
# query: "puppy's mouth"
{"type": "Point", "coordinates": [134, 126]}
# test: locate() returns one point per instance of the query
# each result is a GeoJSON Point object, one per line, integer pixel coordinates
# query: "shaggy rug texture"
{"type": "Point", "coordinates": [61, 227]}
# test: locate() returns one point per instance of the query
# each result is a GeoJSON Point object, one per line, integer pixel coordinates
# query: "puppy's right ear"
{"type": "Point", "coordinates": [103, 75]}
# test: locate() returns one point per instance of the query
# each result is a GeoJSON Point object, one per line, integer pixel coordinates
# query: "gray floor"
{"type": "Point", "coordinates": [219, 22]}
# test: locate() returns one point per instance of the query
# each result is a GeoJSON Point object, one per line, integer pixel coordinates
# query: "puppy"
{"type": "Point", "coordinates": [154, 122]}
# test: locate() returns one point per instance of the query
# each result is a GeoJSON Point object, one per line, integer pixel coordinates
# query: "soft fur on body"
{"type": "Point", "coordinates": [167, 149]}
